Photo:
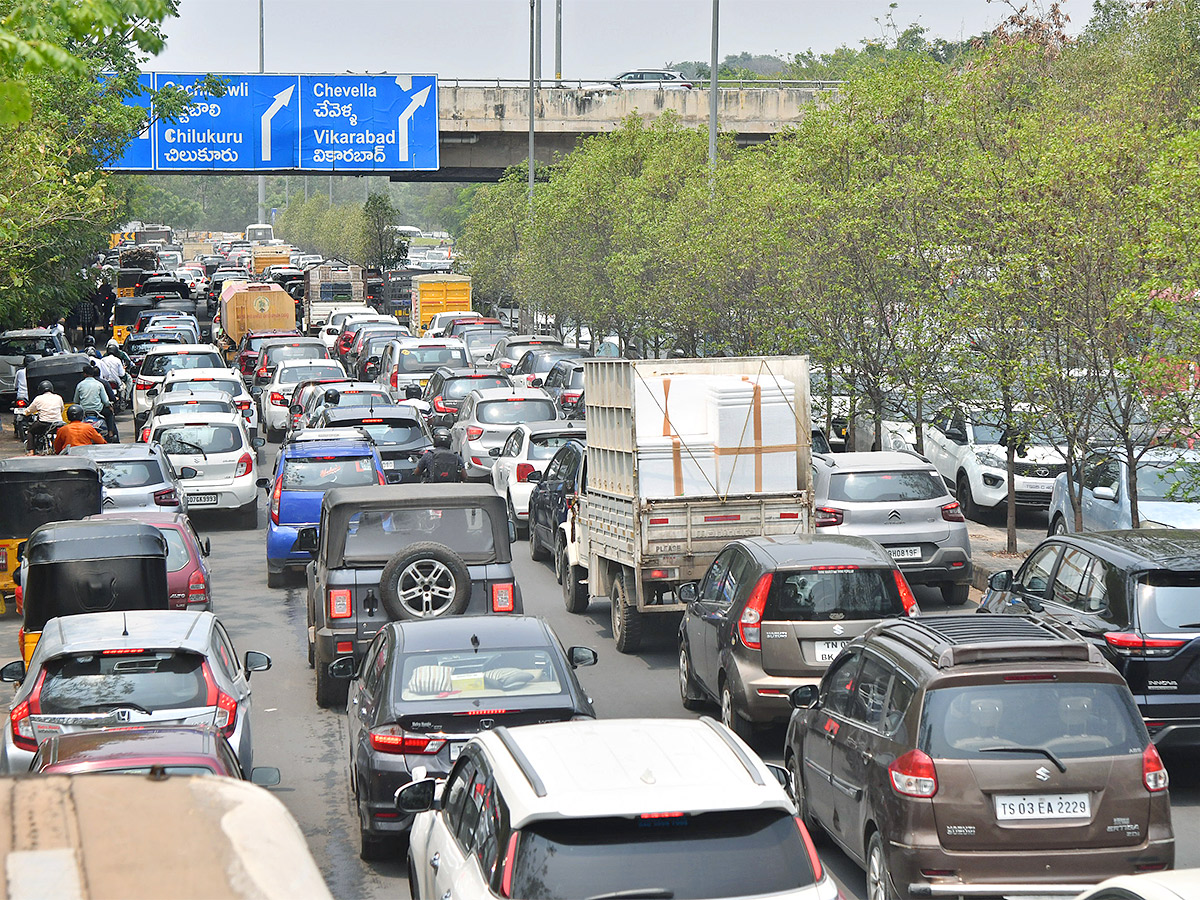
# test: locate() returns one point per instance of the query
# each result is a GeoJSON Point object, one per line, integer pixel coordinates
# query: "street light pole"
{"type": "Point", "coordinates": [712, 86]}
{"type": "Point", "coordinates": [262, 179]}
{"type": "Point", "coordinates": [558, 41]}
{"type": "Point", "coordinates": [526, 317]}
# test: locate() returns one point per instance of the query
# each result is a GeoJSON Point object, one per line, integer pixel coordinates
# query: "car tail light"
{"type": "Point", "coordinates": [339, 603]}
{"type": "Point", "coordinates": [226, 718]}
{"type": "Point", "coordinates": [275, 493]}
{"type": "Point", "coordinates": [262, 372]}
{"type": "Point", "coordinates": [813, 859]}
{"type": "Point", "coordinates": [827, 515]}
{"type": "Point", "coordinates": [142, 385]}
{"type": "Point", "coordinates": [913, 774]}
{"type": "Point", "coordinates": [952, 512]}
{"type": "Point", "coordinates": [570, 398]}
{"type": "Point", "coordinates": [19, 718]}
{"type": "Point", "coordinates": [395, 382]}
{"type": "Point", "coordinates": [750, 627]}
{"type": "Point", "coordinates": [1128, 643]}
{"type": "Point", "coordinates": [244, 405]}
{"type": "Point", "coordinates": [506, 364]}
{"type": "Point", "coordinates": [503, 597]}
{"type": "Point", "coordinates": [906, 594]}
{"type": "Point", "coordinates": [4, 559]}
{"type": "Point", "coordinates": [166, 497]}
{"type": "Point", "coordinates": [510, 859]}
{"type": "Point", "coordinates": [197, 591]}
{"type": "Point", "coordinates": [244, 465]}
{"type": "Point", "coordinates": [474, 433]}
{"type": "Point", "coordinates": [146, 435]}
{"type": "Point", "coordinates": [1154, 773]}
{"type": "Point", "coordinates": [393, 739]}
{"type": "Point", "coordinates": [440, 406]}
{"type": "Point", "coordinates": [524, 470]}
{"type": "Point", "coordinates": [278, 399]}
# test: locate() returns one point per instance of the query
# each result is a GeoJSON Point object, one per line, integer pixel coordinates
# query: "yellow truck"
{"type": "Point", "coordinates": [433, 294]}
{"type": "Point", "coordinates": [250, 306]}
{"type": "Point", "coordinates": [270, 256]}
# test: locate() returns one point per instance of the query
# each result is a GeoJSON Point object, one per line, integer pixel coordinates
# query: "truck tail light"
{"type": "Point", "coordinates": [339, 603]}
{"type": "Point", "coordinates": [524, 470]}
{"type": "Point", "coordinates": [906, 594]}
{"type": "Point", "coordinates": [503, 597]}
{"type": "Point", "coordinates": [3, 559]}
{"type": "Point", "coordinates": [393, 739]}
{"type": "Point", "coordinates": [474, 433]}
{"type": "Point", "coordinates": [1154, 773]}
{"type": "Point", "coordinates": [166, 497]}
{"type": "Point", "coordinates": [913, 774]}
{"type": "Point", "coordinates": [275, 493]}
{"type": "Point", "coordinates": [827, 515]}
{"type": "Point", "coordinates": [197, 591]}
{"type": "Point", "coordinates": [952, 512]}
{"type": "Point", "coordinates": [244, 465]}
{"type": "Point", "coordinates": [750, 625]}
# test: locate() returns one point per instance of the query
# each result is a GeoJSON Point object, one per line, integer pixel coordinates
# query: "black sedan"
{"type": "Point", "coordinates": [424, 688]}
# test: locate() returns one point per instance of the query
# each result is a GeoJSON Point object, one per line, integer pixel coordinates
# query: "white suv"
{"type": "Point", "coordinates": [971, 455]}
{"type": "Point", "coordinates": [616, 807]}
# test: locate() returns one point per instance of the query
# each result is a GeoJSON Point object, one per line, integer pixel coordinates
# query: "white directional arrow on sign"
{"type": "Point", "coordinates": [417, 101]}
{"type": "Point", "coordinates": [282, 99]}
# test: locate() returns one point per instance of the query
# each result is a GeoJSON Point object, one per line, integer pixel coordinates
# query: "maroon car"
{"type": "Point", "coordinates": [189, 584]}
{"type": "Point", "coordinates": [250, 344]}
{"type": "Point", "coordinates": [175, 750]}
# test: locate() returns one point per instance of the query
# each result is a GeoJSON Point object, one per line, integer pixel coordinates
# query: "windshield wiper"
{"type": "Point", "coordinates": [1049, 754]}
{"type": "Point", "coordinates": [636, 894]}
{"type": "Point", "coordinates": [182, 443]}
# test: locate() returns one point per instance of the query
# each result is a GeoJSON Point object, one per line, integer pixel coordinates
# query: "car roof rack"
{"type": "Point", "coordinates": [522, 761]}
{"type": "Point", "coordinates": [735, 747]}
{"type": "Point", "coordinates": [948, 641]}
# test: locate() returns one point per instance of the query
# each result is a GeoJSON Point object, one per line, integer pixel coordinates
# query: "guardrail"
{"type": "Point", "coordinates": [580, 83]}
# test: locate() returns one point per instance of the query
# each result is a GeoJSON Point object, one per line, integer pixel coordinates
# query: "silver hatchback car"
{"type": "Point", "coordinates": [898, 499]}
{"type": "Point", "coordinates": [135, 477]}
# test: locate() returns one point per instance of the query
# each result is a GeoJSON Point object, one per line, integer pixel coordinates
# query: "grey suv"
{"type": "Point", "coordinates": [898, 499]}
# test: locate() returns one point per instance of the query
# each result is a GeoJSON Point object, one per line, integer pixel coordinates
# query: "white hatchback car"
{"type": "Point", "coordinates": [528, 449]}
{"type": "Point", "coordinates": [275, 395]}
{"type": "Point", "coordinates": [190, 402]}
{"type": "Point", "coordinates": [162, 360]}
{"type": "Point", "coordinates": [224, 456]}
{"type": "Point", "coordinates": [225, 381]}
{"type": "Point", "coordinates": [610, 808]}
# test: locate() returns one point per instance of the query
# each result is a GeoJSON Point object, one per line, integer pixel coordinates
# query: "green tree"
{"type": "Point", "coordinates": [379, 217]}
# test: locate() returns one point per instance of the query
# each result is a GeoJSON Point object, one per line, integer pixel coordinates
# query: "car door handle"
{"type": "Point", "coordinates": [446, 896]}
{"type": "Point", "coordinates": [435, 861]}
{"type": "Point", "coordinates": [866, 755]}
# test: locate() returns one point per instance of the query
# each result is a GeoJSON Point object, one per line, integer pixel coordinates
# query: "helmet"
{"type": "Point", "coordinates": [441, 437]}
{"type": "Point", "coordinates": [112, 344]}
{"type": "Point", "coordinates": [31, 359]}
{"type": "Point", "coordinates": [91, 341]}
{"type": "Point", "coordinates": [332, 396]}
{"type": "Point", "coordinates": [91, 351]}
{"type": "Point", "coordinates": [46, 387]}
{"type": "Point", "coordinates": [74, 413]}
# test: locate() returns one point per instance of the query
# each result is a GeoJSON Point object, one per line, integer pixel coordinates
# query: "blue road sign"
{"type": "Point", "coordinates": [140, 152]}
{"type": "Point", "coordinates": [296, 123]}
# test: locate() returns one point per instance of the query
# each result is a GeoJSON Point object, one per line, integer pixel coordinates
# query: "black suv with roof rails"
{"type": "Point", "coordinates": [976, 756]}
{"type": "Point", "coordinates": [1136, 596]}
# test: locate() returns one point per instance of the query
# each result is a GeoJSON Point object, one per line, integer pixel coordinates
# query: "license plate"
{"type": "Point", "coordinates": [1038, 486]}
{"type": "Point", "coordinates": [455, 749]}
{"type": "Point", "coordinates": [1010, 807]}
{"type": "Point", "coordinates": [423, 381]}
{"type": "Point", "coordinates": [389, 463]}
{"type": "Point", "coordinates": [200, 499]}
{"type": "Point", "coordinates": [828, 650]}
{"type": "Point", "coordinates": [904, 552]}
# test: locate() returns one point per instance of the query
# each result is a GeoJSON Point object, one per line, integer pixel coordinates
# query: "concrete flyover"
{"type": "Point", "coordinates": [484, 126]}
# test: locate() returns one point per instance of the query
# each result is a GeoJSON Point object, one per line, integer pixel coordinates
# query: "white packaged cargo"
{"type": "Point", "coordinates": [753, 426]}
{"type": "Point", "coordinates": [668, 405]}
{"type": "Point", "coordinates": [676, 467]}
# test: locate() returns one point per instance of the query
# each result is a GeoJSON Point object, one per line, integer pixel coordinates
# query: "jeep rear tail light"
{"type": "Point", "coordinates": [524, 470]}
{"type": "Point", "coordinates": [474, 433]}
{"type": "Point", "coordinates": [166, 497]}
{"type": "Point", "coordinates": [244, 465]}
{"type": "Point", "coordinates": [339, 603]}
{"type": "Point", "coordinates": [906, 594]}
{"type": "Point", "coordinates": [952, 512]}
{"type": "Point", "coordinates": [393, 739]}
{"type": "Point", "coordinates": [913, 774]}
{"type": "Point", "coordinates": [503, 597]}
{"type": "Point", "coordinates": [395, 382]}
{"type": "Point", "coordinates": [750, 627]}
{"type": "Point", "coordinates": [827, 515]}
{"type": "Point", "coordinates": [1154, 773]}
{"type": "Point", "coordinates": [440, 406]}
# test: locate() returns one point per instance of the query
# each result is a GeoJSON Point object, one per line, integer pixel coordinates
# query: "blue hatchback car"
{"type": "Point", "coordinates": [304, 470]}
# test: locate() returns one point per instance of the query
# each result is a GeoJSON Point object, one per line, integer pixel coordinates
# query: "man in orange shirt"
{"type": "Point", "coordinates": [76, 433]}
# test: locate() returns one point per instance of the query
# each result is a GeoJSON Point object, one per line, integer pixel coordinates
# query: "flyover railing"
{"type": "Point", "coordinates": [593, 83]}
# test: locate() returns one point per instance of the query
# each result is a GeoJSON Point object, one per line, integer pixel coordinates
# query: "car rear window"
{"type": "Point", "coordinates": [478, 340]}
{"type": "Point", "coordinates": [886, 487]}
{"type": "Point", "coordinates": [28, 346]}
{"type": "Point", "coordinates": [391, 432]}
{"type": "Point", "coordinates": [429, 359]}
{"type": "Point", "coordinates": [226, 386]}
{"type": "Point", "coordinates": [457, 388]}
{"type": "Point", "coordinates": [192, 439]}
{"type": "Point", "coordinates": [513, 412]}
{"type": "Point", "coordinates": [178, 555]}
{"type": "Point", "coordinates": [162, 363]}
{"type": "Point", "coordinates": [98, 682]}
{"type": "Point", "coordinates": [713, 854]}
{"type": "Point", "coordinates": [1168, 601]}
{"type": "Point", "coordinates": [193, 406]}
{"type": "Point", "coordinates": [130, 473]}
{"type": "Point", "coordinates": [822, 595]}
{"type": "Point", "coordinates": [300, 351]}
{"type": "Point", "coordinates": [296, 374]}
{"type": "Point", "coordinates": [516, 671]}
{"type": "Point", "coordinates": [322, 474]}
{"type": "Point", "coordinates": [363, 398]}
{"type": "Point", "coordinates": [376, 533]}
{"type": "Point", "coordinates": [1019, 719]}
{"type": "Point", "coordinates": [544, 446]}
{"type": "Point", "coordinates": [142, 344]}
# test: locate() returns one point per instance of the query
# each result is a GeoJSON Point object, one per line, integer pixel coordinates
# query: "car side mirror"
{"type": "Point", "coordinates": [512, 532]}
{"type": "Point", "coordinates": [257, 442]}
{"type": "Point", "coordinates": [342, 667]}
{"type": "Point", "coordinates": [495, 451]}
{"type": "Point", "coordinates": [1000, 581]}
{"type": "Point", "coordinates": [582, 656]}
{"type": "Point", "coordinates": [186, 472]}
{"type": "Point", "coordinates": [255, 661]}
{"type": "Point", "coordinates": [206, 547]}
{"type": "Point", "coordinates": [295, 409]}
{"type": "Point", "coordinates": [1104, 492]}
{"type": "Point", "coordinates": [536, 383]}
{"type": "Point", "coordinates": [417, 796]}
{"type": "Point", "coordinates": [956, 435]}
{"type": "Point", "coordinates": [264, 483]}
{"type": "Point", "coordinates": [256, 391]}
{"type": "Point", "coordinates": [153, 392]}
{"type": "Point", "coordinates": [782, 775]}
{"type": "Point", "coordinates": [13, 672]}
{"type": "Point", "coordinates": [803, 697]}
{"type": "Point", "coordinates": [688, 592]}
{"type": "Point", "coordinates": [264, 776]}
{"type": "Point", "coordinates": [306, 539]}
{"type": "Point", "coordinates": [371, 369]}
{"type": "Point", "coordinates": [533, 477]}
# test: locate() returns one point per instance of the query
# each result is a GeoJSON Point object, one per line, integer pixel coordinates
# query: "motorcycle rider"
{"type": "Point", "coordinates": [48, 408]}
{"type": "Point", "coordinates": [76, 433]}
{"type": "Point", "coordinates": [92, 395]}
{"type": "Point", "coordinates": [112, 372]}
{"type": "Point", "coordinates": [22, 381]}
{"type": "Point", "coordinates": [439, 464]}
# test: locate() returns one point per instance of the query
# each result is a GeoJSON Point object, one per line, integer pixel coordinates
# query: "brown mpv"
{"type": "Point", "coordinates": [962, 756]}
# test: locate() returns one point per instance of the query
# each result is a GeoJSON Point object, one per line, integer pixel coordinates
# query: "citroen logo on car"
{"type": "Point", "coordinates": [894, 516]}
{"type": "Point", "coordinates": [1042, 773]}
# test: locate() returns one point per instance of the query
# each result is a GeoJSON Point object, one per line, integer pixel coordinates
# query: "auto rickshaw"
{"type": "Point", "coordinates": [125, 315]}
{"type": "Point", "coordinates": [37, 490]}
{"type": "Point", "coordinates": [127, 280]}
{"type": "Point", "coordinates": [63, 370]}
{"type": "Point", "coordinates": [70, 568]}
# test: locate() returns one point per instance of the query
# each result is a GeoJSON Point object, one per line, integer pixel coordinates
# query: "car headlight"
{"type": "Point", "coordinates": [1146, 523]}
{"type": "Point", "coordinates": [989, 459]}
{"type": "Point", "coordinates": [899, 443]}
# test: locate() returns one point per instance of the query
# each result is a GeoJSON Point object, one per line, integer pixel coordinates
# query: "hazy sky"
{"type": "Point", "coordinates": [490, 38]}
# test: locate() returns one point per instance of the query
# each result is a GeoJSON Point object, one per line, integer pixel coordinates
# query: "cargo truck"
{"type": "Point", "coordinates": [328, 287]}
{"type": "Point", "coordinates": [433, 294]}
{"type": "Point", "coordinates": [683, 456]}
{"type": "Point", "coordinates": [253, 307]}
{"type": "Point", "coordinates": [269, 255]}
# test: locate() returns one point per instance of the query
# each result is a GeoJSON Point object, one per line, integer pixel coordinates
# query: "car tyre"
{"type": "Point", "coordinates": [1058, 526]}
{"type": "Point", "coordinates": [519, 529]}
{"type": "Point", "coordinates": [430, 566]}
{"type": "Point", "coordinates": [331, 692]}
{"type": "Point", "coordinates": [574, 585]}
{"type": "Point", "coordinates": [275, 579]}
{"type": "Point", "coordinates": [955, 594]}
{"type": "Point", "coordinates": [689, 694]}
{"type": "Point", "coordinates": [966, 501]}
{"type": "Point", "coordinates": [879, 879]}
{"type": "Point", "coordinates": [730, 717]}
{"type": "Point", "coordinates": [560, 558]}
{"type": "Point", "coordinates": [626, 620]}
{"type": "Point", "coordinates": [371, 847]}
{"type": "Point", "coordinates": [537, 552]}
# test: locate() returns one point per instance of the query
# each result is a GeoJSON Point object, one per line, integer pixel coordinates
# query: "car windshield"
{"type": "Point", "coordinates": [363, 398]}
{"type": "Point", "coordinates": [514, 411]}
{"type": "Point", "coordinates": [103, 768]}
{"type": "Point", "coordinates": [376, 533]}
{"type": "Point", "coordinates": [133, 473]}
{"type": "Point", "coordinates": [544, 446]}
{"type": "Point", "coordinates": [1168, 601]}
{"type": "Point", "coordinates": [712, 854]}
{"type": "Point", "coordinates": [457, 388]}
{"type": "Point", "coordinates": [99, 682]}
{"type": "Point", "coordinates": [193, 439]}
{"type": "Point", "coordinates": [519, 672]}
{"type": "Point", "coordinates": [192, 406]}
{"type": "Point", "coordinates": [326, 472]}
{"type": "Point", "coordinates": [298, 351]}
{"type": "Point", "coordinates": [391, 432]}
{"type": "Point", "coordinates": [26, 346]}
{"type": "Point", "coordinates": [1168, 480]}
{"type": "Point", "coordinates": [886, 487]}
{"type": "Point", "coordinates": [1069, 718]}
{"type": "Point", "coordinates": [296, 374]}
{"type": "Point", "coordinates": [227, 386]}
{"type": "Point", "coordinates": [821, 595]}
{"type": "Point", "coordinates": [162, 363]}
{"type": "Point", "coordinates": [428, 359]}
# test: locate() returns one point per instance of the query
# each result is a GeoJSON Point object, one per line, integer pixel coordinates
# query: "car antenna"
{"type": "Point", "coordinates": [475, 642]}
{"type": "Point", "coordinates": [125, 625]}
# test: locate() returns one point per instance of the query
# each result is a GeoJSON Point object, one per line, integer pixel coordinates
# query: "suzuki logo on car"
{"type": "Point", "coordinates": [838, 629]}
{"type": "Point", "coordinates": [1042, 773]}
{"type": "Point", "coordinates": [894, 516]}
